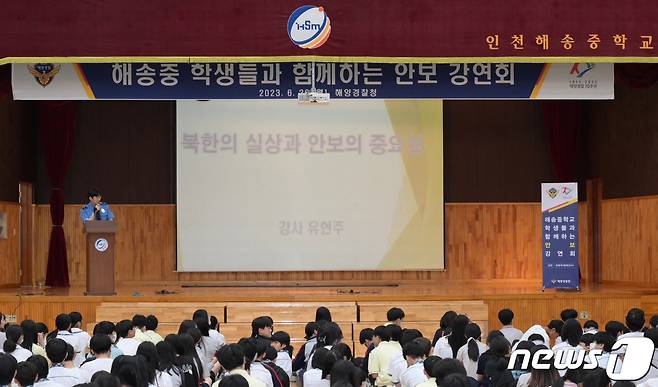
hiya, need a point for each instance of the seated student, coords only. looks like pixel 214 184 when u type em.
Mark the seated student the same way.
pixel 11 346
pixel 653 322
pixel 139 326
pixel 329 334
pixel 380 357
pixel 168 363
pixel 100 346
pixel 590 326
pixel 553 329
pixel 455 380
pixel 444 326
pixel 7 369
pixel 262 327
pixel 322 362
pixel 31 338
pixel 428 364
pixel 105 379
pixel 130 371
pixel 214 330
pixel 414 354
pixel 151 326
pixel 156 377
pixel 281 343
pixel 108 328
pixel 82 336
pixel 231 357
pixel 40 363
pixel 469 353
pixel 615 328
pixel 569 314
pixel 505 316
pixel 126 338
pixel 365 339
pixel 300 362
pixel 635 323
pixel 604 341
pixel 447 346
pixel 518 369
pixel 398 363
pixel 26 374
pixel 256 349
pixel 233 381
pixel 571 333
pixel 208 345
pixel 585 340
pixel 63 323
pixel 279 375
pixel 445 367
pixel 68 377
pixel 345 374
pixel 596 378
pixel 652 333
pixel 493 363
pixel 395 316
pixel 42 333
pixel 540 377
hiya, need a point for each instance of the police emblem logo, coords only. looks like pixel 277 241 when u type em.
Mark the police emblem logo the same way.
pixel 552 193
pixel 44 72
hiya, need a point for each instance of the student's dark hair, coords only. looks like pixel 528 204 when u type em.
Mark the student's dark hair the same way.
pixel 556 324
pixel 596 378
pixel 394 314
pixel 568 314
pixel 105 328
pixel 14 333
pixel 345 374
pixel 86 385
pixel 394 331
pixel 652 333
pixel 253 348
pixel 7 369
pixel 139 320
pixel 571 332
pixel 574 375
pixel 444 326
pixel 382 333
pixel 100 343
pixel 150 353
pixel 615 328
pixel 92 193
pixel 455 380
pixel 505 316
pixel 196 335
pixel 428 364
pixel 591 324
pixel 473 332
pixel 231 356
pixel 587 338
pixel 605 338
pixel 70 352
pixel 413 350
pixel 42 328
pixel 524 344
pixel 324 360
pixel 41 364
pixel 185 326
pixel 260 323
pixel 56 350
pixel 322 314
pixel 76 317
pixel 425 345
pixel 283 338
pixel 26 373
pixel 458 336
pixel 166 355
pixel 233 381
pixel 203 325
pixel 151 322
pixel 409 335
pixel 189 350
pixel 29 334
pixel 130 371
pixel 123 327
pixel 624 383
pixel 635 319
pixel 499 346
pixel 330 334
pixel 271 353
pixel 214 323
pixel 536 336
pixel 342 351
pixel 366 334
pixel 200 313
pixel 63 322
pixel 105 379
pixel 310 329
pixel 445 367
pixel 493 334
pixel 543 377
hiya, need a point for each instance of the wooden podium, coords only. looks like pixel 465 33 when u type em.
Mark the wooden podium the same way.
pixel 100 257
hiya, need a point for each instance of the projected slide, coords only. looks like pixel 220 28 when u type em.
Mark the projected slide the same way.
pixel 279 186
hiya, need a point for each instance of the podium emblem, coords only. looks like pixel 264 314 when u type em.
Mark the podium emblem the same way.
pixel 101 244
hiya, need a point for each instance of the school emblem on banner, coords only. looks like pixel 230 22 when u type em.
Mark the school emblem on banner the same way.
pixel 44 72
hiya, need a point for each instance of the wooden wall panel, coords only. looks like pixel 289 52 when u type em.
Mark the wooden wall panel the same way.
pixel 10 247
pixel 630 240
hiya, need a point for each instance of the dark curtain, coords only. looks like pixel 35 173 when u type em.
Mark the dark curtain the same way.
pixel 638 75
pixel 56 124
pixel 563 122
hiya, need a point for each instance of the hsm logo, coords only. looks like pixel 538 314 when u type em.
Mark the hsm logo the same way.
pixel 309 26
pixel 575 69
pixel 636 364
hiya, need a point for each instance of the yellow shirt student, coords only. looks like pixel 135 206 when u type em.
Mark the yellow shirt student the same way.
pixel 379 361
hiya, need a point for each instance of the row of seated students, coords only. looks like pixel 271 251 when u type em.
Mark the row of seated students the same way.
pixel 131 353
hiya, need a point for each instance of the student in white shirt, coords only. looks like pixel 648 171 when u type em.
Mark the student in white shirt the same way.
pixel 469 353
pixel 428 365
pixel 151 326
pixel 130 370
pixel 126 342
pixel 414 354
pixel 398 363
pixel 590 326
pixel 635 322
pixel 31 338
pixel 108 328
pixel 553 330
pixel 157 378
pixel 214 331
pixel 209 346
pixel 82 336
pixel 395 316
pixel 651 333
pixel 12 344
pixel 604 341
pixel 231 357
pixel 281 342
pixel 100 346
pixel 505 316
pixel 63 324
pixel 7 369
pixel 58 373
pixel 255 349
pixel 41 365
pixel 26 374
pixel 329 334
pixel 571 332
pixel 322 362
